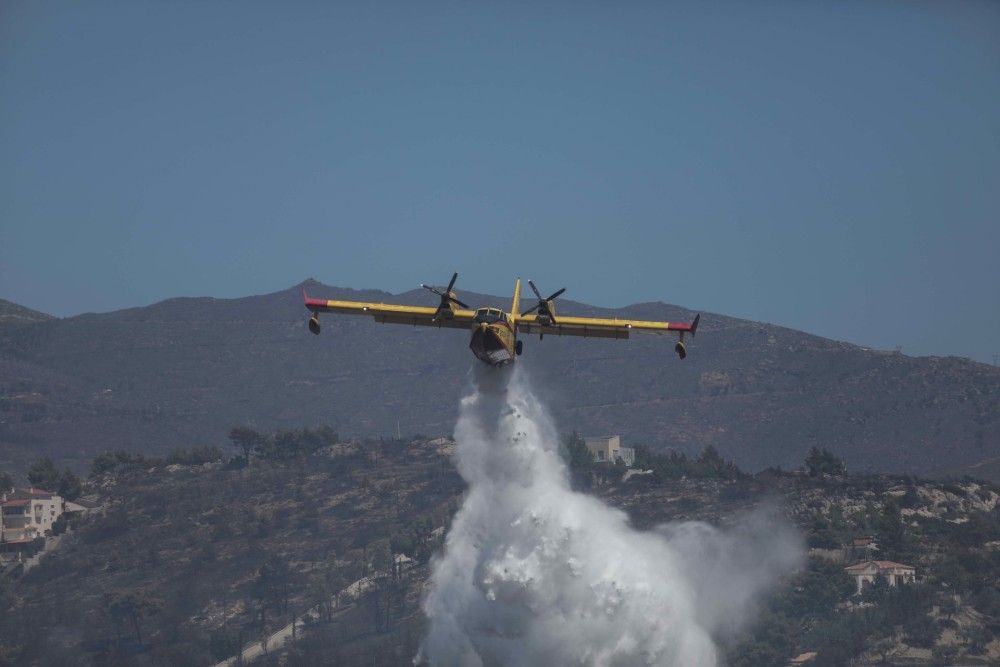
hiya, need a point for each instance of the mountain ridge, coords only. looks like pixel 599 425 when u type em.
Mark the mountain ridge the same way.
pixel 182 371
pixel 15 313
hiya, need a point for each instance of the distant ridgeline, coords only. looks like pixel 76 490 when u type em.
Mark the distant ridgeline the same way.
pixel 182 372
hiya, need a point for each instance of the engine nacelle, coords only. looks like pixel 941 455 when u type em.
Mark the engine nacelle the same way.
pixel 314 324
pixel 546 313
pixel 680 349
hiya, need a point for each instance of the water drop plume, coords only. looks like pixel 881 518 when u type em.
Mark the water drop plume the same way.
pixel 534 573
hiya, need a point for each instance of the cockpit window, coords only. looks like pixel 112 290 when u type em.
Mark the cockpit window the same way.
pixel 490 315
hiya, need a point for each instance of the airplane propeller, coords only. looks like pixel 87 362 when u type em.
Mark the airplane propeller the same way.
pixel 447 296
pixel 543 305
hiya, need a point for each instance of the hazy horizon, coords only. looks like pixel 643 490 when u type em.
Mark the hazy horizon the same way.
pixel 824 167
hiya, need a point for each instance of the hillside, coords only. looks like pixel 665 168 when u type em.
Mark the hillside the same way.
pixel 187 562
pixel 12 313
pixel 183 547
pixel 183 371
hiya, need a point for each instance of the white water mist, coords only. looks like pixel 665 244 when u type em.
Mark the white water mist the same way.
pixel 534 573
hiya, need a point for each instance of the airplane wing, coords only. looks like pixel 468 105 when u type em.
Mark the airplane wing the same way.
pixel 388 313
pixel 598 327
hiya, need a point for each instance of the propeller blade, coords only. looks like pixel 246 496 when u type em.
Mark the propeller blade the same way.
pixel 535 290
pixel 459 302
pixel 452 283
pixel 532 309
pixel 431 289
pixel 556 294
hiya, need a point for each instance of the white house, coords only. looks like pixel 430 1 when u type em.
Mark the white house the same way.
pixel 894 573
pixel 608 449
pixel 28 513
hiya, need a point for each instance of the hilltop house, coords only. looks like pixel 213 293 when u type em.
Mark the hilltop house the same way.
pixel 894 573
pixel 608 449
pixel 26 514
pixel 865 542
pixel 861 548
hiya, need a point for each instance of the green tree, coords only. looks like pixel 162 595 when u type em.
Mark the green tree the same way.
pixel 385 589
pixel 43 475
pixel 6 482
pixel 381 556
pixel 272 587
pixel 676 465
pixel 119 461
pixel 978 637
pixel 944 655
pixel 841 640
pixel 876 592
pixel 816 589
pixel 948 606
pixel 577 455
pixel 822 533
pixel 893 541
pixel 194 456
pixel 321 597
pixel 70 487
pixel 289 445
pixel 710 463
pixel 756 654
pixel 246 440
pixel 921 630
pixel 104 462
pixel 771 642
pixel 822 462
pixel 414 540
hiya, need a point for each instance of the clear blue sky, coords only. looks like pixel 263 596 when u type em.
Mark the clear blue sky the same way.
pixel 829 166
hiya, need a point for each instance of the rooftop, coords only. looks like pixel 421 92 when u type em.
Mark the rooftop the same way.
pixel 880 564
pixel 30 493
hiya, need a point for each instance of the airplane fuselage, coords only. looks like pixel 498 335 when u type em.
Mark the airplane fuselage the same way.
pixel 494 340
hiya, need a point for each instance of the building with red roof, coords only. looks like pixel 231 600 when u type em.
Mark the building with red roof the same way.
pixel 894 573
pixel 26 514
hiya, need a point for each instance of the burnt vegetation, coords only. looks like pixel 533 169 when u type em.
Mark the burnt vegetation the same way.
pixel 198 552
pixel 206 550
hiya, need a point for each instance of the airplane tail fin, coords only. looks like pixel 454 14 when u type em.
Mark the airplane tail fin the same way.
pixel 515 306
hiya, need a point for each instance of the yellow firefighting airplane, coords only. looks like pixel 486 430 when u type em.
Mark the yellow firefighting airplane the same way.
pixel 494 332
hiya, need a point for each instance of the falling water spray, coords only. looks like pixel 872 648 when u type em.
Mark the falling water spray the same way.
pixel 534 573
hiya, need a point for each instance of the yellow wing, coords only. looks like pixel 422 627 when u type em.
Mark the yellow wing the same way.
pixel 388 313
pixel 599 327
